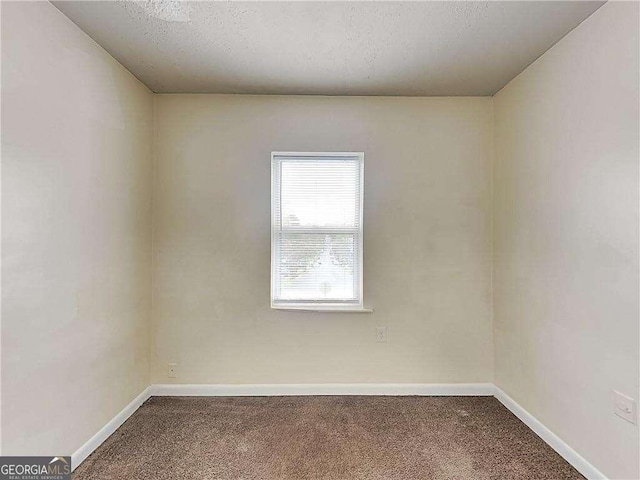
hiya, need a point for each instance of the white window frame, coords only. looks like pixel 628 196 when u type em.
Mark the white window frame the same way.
pixel 319 305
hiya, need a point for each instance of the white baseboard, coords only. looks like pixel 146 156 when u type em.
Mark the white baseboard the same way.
pixel 564 450
pixel 105 432
pixel 399 389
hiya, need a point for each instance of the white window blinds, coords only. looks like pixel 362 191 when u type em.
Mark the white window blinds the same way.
pixel 316 223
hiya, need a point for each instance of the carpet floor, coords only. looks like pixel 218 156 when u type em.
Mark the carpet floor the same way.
pixel 324 438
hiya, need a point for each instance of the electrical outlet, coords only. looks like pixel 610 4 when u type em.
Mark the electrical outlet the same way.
pixel 381 334
pixel 624 407
pixel 173 370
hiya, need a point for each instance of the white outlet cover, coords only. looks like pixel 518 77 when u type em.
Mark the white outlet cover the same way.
pixel 173 370
pixel 381 334
pixel 624 407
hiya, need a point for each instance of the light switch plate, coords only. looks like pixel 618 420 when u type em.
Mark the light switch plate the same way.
pixel 624 407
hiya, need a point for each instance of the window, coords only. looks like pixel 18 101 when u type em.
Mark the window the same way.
pixel 316 230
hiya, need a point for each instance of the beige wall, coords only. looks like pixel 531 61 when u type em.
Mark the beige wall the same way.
pixel 76 191
pixel 566 237
pixel 427 254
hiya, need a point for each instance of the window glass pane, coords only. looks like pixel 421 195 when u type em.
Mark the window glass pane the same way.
pixel 317 267
pixel 323 193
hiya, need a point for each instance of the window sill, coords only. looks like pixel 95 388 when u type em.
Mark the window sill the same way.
pixel 324 309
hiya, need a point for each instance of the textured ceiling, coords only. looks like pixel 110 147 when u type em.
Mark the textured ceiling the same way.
pixel 326 48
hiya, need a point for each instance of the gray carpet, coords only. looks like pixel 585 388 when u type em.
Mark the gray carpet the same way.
pixel 336 438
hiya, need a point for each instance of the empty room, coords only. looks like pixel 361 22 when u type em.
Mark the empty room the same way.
pixel 320 240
